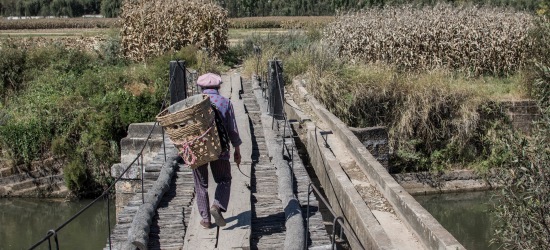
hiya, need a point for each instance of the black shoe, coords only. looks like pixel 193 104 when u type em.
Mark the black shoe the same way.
pixel 206 224
pixel 218 217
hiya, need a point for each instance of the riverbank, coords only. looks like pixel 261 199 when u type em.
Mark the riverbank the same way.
pixel 454 181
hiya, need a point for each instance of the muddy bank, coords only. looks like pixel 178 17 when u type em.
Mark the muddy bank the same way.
pixel 448 182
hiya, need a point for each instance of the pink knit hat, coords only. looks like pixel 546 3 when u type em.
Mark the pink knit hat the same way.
pixel 209 80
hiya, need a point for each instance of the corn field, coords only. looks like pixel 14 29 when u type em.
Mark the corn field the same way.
pixel 150 28
pixel 474 40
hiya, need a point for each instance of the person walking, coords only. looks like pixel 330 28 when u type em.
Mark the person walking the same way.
pixel 221 168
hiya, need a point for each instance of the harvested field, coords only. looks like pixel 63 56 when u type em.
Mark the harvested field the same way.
pixel 285 22
pixel 59 23
pixel 54 32
pixel 81 39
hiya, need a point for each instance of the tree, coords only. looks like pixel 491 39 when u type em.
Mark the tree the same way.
pixel 111 8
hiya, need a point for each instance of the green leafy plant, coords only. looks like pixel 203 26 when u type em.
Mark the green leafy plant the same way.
pixel 76 106
pixel 12 66
pixel 524 169
pixel 524 206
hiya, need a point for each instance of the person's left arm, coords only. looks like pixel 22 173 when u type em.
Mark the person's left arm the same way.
pixel 233 133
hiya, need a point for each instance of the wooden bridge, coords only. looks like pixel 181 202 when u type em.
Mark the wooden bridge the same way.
pixel 270 193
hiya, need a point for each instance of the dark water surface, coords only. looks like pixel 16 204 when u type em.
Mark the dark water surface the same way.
pixel 465 215
pixel 24 222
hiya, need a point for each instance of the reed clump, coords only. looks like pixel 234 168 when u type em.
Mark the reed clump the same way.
pixel 474 40
pixel 150 28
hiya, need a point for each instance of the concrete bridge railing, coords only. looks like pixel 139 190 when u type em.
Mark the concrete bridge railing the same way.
pixel 408 210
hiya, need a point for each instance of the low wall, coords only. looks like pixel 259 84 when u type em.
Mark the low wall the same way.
pixel 522 113
pixel 342 195
pixel 39 180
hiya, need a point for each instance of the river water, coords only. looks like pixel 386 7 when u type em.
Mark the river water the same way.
pixel 23 222
pixel 465 215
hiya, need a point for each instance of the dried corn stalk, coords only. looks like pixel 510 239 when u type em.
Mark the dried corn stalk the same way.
pixel 475 40
pixel 152 27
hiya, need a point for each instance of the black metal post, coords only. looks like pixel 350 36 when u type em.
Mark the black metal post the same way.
pixel 241 91
pixel 307 214
pixel 276 89
pixel 142 178
pixel 292 164
pixel 163 143
pixel 178 90
pixel 109 220
pixel 334 222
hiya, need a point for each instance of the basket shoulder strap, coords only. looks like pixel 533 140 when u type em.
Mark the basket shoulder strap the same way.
pixel 222 131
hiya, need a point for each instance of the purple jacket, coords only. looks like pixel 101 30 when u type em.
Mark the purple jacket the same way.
pixel 228 116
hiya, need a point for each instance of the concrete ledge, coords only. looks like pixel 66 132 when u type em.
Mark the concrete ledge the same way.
pixel 339 190
pixel 343 196
pixel 432 234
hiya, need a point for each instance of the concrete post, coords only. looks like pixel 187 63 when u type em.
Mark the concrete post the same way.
pixel 130 146
pixel 178 81
pixel 276 89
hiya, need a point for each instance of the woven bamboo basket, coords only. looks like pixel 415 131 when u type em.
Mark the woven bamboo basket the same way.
pixel 191 126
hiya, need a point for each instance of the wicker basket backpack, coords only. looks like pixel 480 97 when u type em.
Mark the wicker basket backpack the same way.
pixel 191 126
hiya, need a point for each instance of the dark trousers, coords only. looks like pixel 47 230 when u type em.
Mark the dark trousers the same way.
pixel 221 171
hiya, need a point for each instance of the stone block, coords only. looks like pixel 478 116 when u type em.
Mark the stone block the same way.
pixel 375 140
pixel 133 173
pixel 125 190
pixel 142 130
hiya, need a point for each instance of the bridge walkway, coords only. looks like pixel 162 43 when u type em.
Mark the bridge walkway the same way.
pixel 255 216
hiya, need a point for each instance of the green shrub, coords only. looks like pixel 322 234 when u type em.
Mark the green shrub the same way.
pixel 77 106
pixel 524 171
pixel 25 140
pixel 75 176
pixel 12 66
pixel 435 120
pixel 541 86
pixel 111 50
